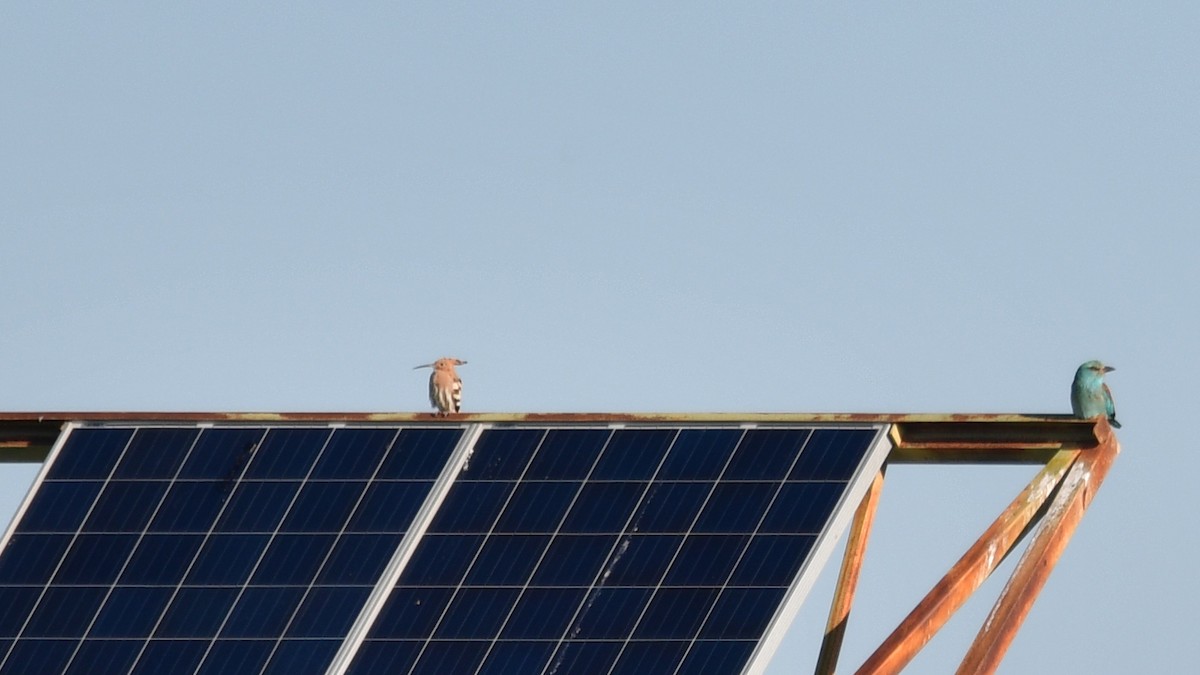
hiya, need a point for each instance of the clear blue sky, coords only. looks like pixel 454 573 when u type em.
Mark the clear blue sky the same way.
pixel 925 207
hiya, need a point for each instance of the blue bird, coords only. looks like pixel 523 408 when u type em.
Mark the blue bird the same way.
pixel 1090 396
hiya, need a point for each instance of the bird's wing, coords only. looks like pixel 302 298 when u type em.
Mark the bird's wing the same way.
pixel 1109 406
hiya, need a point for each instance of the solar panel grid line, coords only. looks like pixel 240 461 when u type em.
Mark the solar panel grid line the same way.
pixel 729 575
pixel 667 569
pixel 478 551
pixel 196 555
pixel 558 528
pixel 859 482
pixel 46 586
pixel 141 535
pixel 404 551
pixel 329 553
pixel 241 593
pixel 551 668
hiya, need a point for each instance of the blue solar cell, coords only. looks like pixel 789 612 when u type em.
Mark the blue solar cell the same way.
pixel 735 507
pixel 633 454
pixel 411 612
pixel 501 454
pixel 471 507
pixel 543 614
pixel 227 559
pixel 573 560
pixel 699 454
pixel 603 507
pixel 772 560
pixel 236 656
pixel 292 559
pixel 358 559
pixel 536 507
pixel 90 453
pixel 658 656
pixel 95 559
pixel 802 507
pixel 609 613
pixel 379 656
pixel 419 454
pixel 323 507
pixel 585 658
pixel 130 611
pixel 65 611
pixel 155 453
pixel 328 611
pixel 476 613
pixel 170 656
pixel 257 506
pixel 161 559
pixel 388 507
pixel 507 560
pixel 675 613
pixel 516 657
pixel 262 612
pixel 441 560
pixel 706 559
pixel 670 507
pixel 125 506
pixel 567 454
pixel 221 454
pixel 38 656
pixel 32 558
pixel 832 454
pixel 287 453
pixel 196 612
pixel 642 560
pixel 190 507
pixel 296 657
pixel 353 454
pixel 59 506
pixel 15 603
pixel 104 657
pixel 713 656
pixel 742 613
pixel 459 656
pixel 765 454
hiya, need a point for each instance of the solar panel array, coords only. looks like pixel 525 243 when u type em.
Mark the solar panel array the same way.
pixel 570 549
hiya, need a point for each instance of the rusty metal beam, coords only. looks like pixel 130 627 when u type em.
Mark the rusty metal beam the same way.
pixel 1049 542
pixel 843 596
pixel 971 570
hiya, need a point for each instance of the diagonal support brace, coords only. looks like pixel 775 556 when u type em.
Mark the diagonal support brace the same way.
pixel 971 570
pixel 1048 544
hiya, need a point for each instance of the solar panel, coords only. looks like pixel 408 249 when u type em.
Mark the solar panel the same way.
pixel 208 550
pixel 289 548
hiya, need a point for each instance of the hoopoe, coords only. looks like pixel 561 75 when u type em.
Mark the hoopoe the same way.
pixel 445 386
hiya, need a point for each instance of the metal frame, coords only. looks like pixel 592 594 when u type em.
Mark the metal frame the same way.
pixel 1050 506
pixel 1075 456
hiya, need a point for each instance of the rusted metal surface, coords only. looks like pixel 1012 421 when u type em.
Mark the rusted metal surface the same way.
pixel 992 423
pixel 843 597
pixel 1049 541
pixel 915 631
pixel 26 440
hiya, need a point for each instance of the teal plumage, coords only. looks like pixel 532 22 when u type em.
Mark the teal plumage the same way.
pixel 1090 396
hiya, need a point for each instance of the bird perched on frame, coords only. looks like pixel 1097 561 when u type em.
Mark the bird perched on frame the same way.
pixel 445 386
pixel 1090 396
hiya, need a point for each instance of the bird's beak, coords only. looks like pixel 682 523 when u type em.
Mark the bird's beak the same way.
pixel 1109 369
pixel 427 365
